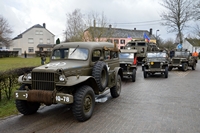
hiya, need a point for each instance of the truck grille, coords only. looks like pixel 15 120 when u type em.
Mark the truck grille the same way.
pixel 176 61
pixel 155 65
pixel 124 67
pixel 43 81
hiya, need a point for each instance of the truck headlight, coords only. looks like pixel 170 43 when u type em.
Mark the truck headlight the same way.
pixel 29 76
pixel 161 63
pixel 61 78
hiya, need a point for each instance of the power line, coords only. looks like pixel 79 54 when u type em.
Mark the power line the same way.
pixel 153 21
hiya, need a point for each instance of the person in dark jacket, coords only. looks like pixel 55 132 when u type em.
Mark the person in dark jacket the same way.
pixel 43 57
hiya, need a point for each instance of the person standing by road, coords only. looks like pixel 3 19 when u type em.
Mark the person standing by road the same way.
pixel 195 54
pixel 43 57
pixel 25 54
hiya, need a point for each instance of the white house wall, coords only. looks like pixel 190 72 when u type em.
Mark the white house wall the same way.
pixel 24 44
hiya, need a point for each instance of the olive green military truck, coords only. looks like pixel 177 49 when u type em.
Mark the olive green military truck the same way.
pixel 155 62
pixel 142 47
pixel 128 63
pixel 182 59
pixel 76 74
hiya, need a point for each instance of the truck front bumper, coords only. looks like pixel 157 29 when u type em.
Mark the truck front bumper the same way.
pixel 42 96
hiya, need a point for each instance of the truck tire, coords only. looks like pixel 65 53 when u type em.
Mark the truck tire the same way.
pixel 134 75
pixel 184 66
pixel 100 73
pixel 170 68
pixel 25 107
pixel 194 66
pixel 116 90
pixel 166 72
pixel 84 102
pixel 145 74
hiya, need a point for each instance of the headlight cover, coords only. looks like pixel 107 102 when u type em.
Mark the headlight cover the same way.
pixel 62 78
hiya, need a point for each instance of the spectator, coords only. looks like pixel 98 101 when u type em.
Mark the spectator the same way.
pixel 43 57
pixel 25 54
pixel 195 54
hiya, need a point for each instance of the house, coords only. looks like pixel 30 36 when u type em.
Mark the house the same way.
pixel 36 38
pixel 191 44
pixel 116 35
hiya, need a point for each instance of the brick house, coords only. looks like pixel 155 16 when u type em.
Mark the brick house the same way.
pixel 116 35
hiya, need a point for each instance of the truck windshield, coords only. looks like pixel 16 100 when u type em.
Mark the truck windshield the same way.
pixel 70 53
pixel 182 54
pixel 126 55
pixel 153 55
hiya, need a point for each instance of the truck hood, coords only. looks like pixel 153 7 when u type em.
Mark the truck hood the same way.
pixel 156 59
pixel 65 65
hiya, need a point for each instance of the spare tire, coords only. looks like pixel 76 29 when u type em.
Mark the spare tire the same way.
pixel 100 73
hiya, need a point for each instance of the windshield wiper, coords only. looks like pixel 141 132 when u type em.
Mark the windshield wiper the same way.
pixel 74 50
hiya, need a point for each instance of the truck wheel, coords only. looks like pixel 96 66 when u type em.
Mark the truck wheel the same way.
pixel 194 66
pixel 145 74
pixel 116 90
pixel 100 73
pixel 26 107
pixel 134 75
pixel 184 66
pixel 84 102
pixel 170 68
pixel 166 72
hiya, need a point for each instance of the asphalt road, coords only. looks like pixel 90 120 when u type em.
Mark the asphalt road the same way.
pixel 152 105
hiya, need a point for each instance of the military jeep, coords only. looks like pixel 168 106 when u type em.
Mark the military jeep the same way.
pixel 155 62
pixel 76 74
pixel 182 59
pixel 128 63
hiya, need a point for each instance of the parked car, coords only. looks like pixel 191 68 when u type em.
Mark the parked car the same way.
pixel 77 72
pixel 128 63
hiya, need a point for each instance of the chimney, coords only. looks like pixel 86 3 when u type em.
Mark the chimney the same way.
pixel 150 31
pixel 94 22
pixel 44 25
pixel 110 26
pixel 134 28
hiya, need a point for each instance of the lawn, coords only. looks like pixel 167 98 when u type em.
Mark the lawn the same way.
pixel 8 108
pixel 18 62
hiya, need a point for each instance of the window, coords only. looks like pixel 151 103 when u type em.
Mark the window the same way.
pixel 41 40
pixel 110 40
pixel 30 40
pixel 114 54
pixel 30 49
pixel 106 55
pixel 122 41
pixel 37 32
pixel 48 41
pixel 116 41
pixel 96 55
pixel 48 49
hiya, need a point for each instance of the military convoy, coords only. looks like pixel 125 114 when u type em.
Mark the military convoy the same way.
pixel 182 59
pixel 77 72
pixel 80 71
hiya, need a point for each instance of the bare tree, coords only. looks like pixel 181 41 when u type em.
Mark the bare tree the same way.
pixel 197 30
pixel 5 32
pixel 196 10
pixel 75 26
pixel 98 27
pixel 177 15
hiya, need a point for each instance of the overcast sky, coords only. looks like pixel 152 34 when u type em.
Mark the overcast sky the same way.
pixel 127 14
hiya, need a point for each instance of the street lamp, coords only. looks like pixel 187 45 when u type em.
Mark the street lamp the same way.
pixel 156 33
pixel 156 36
